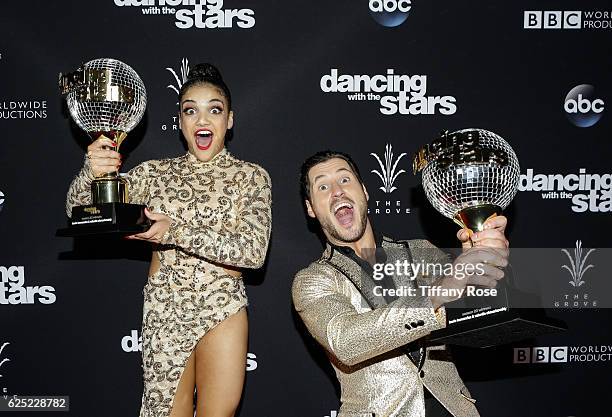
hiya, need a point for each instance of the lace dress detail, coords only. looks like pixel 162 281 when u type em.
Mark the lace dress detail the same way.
pixel 221 215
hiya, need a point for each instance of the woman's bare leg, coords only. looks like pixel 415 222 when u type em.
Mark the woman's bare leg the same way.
pixel 220 367
pixel 182 406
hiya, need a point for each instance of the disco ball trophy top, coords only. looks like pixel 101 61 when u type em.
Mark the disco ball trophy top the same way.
pixel 105 97
pixel 470 176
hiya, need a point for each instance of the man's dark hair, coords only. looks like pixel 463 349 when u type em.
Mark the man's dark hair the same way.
pixel 318 158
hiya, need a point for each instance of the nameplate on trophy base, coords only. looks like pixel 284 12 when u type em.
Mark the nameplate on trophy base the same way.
pixel 493 321
pixel 106 218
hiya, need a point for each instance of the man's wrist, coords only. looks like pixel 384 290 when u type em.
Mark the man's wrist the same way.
pixel 436 302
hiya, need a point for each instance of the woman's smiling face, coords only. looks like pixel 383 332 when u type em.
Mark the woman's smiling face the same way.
pixel 204 119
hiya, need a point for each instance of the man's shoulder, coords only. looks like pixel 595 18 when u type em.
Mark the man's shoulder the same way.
pixel 318 268
pixel 420 249
pixel 411 243
pixel 316 275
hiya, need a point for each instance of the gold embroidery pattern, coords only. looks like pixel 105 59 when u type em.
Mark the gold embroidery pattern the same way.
pixel 221 215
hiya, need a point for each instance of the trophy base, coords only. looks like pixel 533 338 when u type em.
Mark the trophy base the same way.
pixel 499 329
pixel 106 219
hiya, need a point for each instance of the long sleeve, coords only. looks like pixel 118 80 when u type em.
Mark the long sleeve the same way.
pixel 352 336
pixel 79 192
pixel 244 246
pixel 138 184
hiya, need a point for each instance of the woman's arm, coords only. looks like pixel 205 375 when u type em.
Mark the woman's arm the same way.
pixel 244 247
pixel 79 192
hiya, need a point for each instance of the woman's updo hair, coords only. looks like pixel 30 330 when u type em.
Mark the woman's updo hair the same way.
pixel 206 74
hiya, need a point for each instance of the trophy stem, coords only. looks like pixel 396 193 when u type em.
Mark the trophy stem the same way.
pixel 109 190
pixel 473 218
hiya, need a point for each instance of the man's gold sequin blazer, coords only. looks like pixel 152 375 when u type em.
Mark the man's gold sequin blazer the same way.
pixel 366 346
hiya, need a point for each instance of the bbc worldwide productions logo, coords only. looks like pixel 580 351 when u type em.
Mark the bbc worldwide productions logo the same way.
pixel 390 13
pixel 583 106
pixel 561 354
pixel 539 19
pixel 567 19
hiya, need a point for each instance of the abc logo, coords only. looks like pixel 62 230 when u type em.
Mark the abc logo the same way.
pixel 581 106
pixel 390 13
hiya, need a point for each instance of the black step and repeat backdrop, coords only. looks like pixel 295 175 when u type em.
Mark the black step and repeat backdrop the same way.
pixel 376 79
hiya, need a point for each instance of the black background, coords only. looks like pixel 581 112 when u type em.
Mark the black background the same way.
pixel 505 78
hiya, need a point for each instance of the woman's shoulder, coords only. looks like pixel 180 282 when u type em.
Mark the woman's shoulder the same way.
pixel 249 167
pixel 152 167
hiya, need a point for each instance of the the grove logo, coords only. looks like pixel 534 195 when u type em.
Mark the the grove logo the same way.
pixel 180 77
pixel 577 263
pixel 180 80
pixel 388 173
pixel 577 266
pixel 390 13
pixel 3 360
pixel 582 107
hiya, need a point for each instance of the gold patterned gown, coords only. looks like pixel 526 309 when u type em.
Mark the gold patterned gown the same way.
pixel 221 215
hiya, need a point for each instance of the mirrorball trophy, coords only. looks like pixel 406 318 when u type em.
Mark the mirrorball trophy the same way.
pixel 469 176
pixel 105 97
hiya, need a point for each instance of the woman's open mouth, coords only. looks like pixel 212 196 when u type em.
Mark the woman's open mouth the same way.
pixel 203 138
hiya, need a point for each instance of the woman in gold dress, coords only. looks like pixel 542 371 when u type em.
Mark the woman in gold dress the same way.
pixel 211 215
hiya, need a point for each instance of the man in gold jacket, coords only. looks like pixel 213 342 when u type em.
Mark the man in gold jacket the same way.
pixel 375 343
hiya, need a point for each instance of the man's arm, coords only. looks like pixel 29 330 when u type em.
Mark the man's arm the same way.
pixel 351 336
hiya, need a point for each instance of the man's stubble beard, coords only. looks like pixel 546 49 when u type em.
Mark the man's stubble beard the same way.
pixel 333 231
